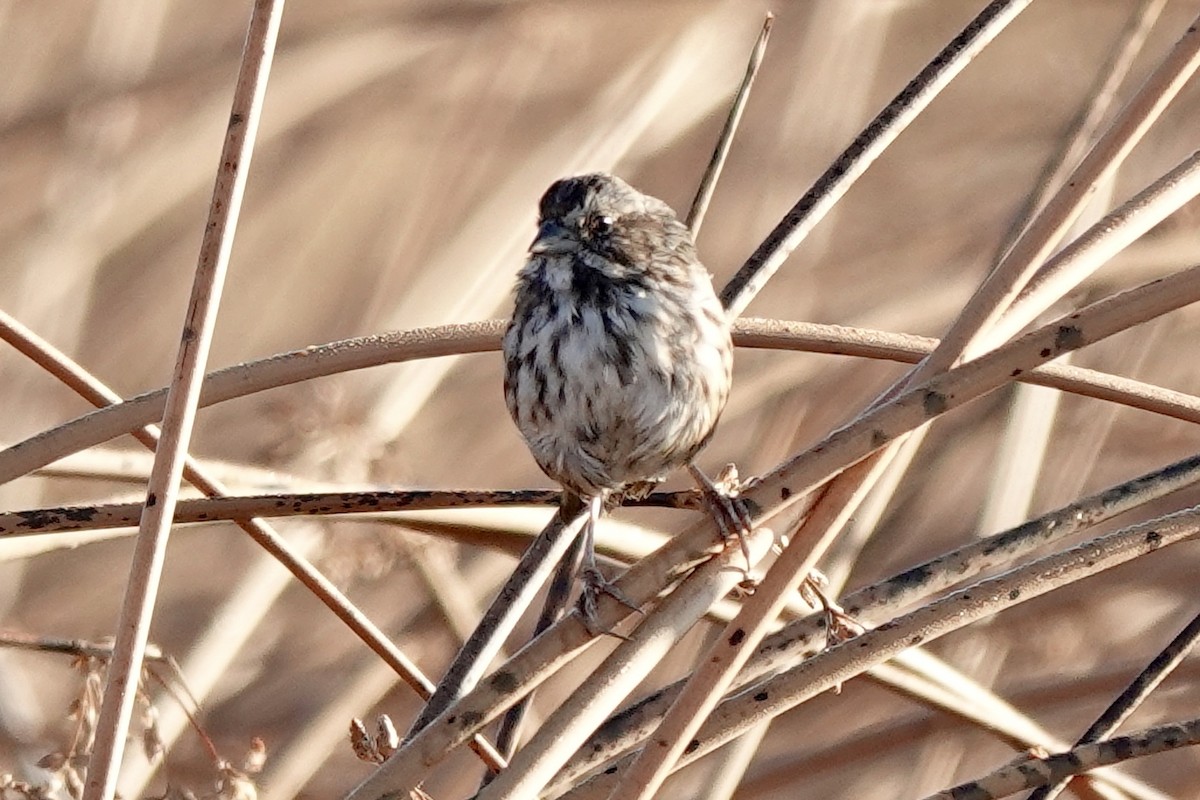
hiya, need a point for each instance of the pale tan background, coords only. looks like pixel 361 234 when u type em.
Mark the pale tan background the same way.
pixel 403 149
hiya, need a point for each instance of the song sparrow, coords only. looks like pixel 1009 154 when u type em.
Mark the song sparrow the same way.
pixel 618 355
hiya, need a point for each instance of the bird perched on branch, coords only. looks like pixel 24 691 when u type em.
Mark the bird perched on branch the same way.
pixel 618 357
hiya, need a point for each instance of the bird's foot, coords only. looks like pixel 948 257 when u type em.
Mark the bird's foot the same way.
pixel 839 625
pixel 730 514
pixel 595 584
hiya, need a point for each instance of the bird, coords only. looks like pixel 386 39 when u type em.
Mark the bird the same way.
pixel 618 357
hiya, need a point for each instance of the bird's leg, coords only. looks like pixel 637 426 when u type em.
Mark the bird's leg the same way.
pixel 730 515
pixel 593 580
pixel 839 626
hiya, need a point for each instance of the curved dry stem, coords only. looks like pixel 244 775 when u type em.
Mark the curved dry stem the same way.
pixel 243 379
pixel 362 352
pixel 97 393
pixel 791 481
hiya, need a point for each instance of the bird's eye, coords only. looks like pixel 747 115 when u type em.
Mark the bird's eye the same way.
pixel 600 225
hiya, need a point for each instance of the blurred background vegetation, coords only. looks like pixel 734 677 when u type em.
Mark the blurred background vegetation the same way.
pixel 403 148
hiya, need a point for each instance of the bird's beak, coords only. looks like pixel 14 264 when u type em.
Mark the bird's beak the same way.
pixel 552 237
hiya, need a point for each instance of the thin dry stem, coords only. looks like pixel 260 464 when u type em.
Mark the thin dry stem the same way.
pixel 1029 773
pixel 622 671
pixel 1044 233
pixel 862 152
pixel 718 667
pixel 1134 695
pixel 238 381
pixel 876 603
pixel 476 654
pixel 1082 134
pixel 788 483
pixel 149 550
pixel 712 173
pixel 1099 244
pixel 844 661
pixel 87 385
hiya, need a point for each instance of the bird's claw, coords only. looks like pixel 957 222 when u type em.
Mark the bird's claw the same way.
pixel 731 516
pixel 595 584
pixel 839 625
